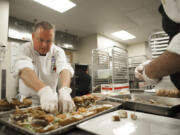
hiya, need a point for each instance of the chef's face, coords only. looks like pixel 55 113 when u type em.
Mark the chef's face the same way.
pixel 42 40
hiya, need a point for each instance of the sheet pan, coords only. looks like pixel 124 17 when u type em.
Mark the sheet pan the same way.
pixel 146 124
pixel 166 106
pixel 5 120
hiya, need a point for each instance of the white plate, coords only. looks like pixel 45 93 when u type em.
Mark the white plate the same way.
pixel 146 124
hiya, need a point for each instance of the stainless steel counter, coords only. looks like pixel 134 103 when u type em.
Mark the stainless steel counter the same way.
pixel 75 131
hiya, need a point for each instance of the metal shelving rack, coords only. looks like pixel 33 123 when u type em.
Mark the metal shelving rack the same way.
pixel 100 64
pixel 109 66
pixel 119 66
pixel 158 43
pixel 134 83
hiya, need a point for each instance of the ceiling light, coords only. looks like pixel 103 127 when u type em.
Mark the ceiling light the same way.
pixel 58 5
pixel 68 46
pixel 123 35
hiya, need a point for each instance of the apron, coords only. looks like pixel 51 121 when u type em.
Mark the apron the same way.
pixel 44 67
pixel 171 28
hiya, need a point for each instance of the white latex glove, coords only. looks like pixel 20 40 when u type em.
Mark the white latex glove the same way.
pixel 141 75
pixel 139 70
pixel 48 99
pixel 66 104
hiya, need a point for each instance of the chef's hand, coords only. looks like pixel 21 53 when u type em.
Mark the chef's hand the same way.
pixel 48 99
pixel 66 104
pixel 141 75
pixel 139 70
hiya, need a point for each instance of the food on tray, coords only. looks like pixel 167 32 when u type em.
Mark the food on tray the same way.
pixel 26 103
pixel 84 101
pixel 89 99
pixel 5 105
pixel 116 118
pixel 78 101
pixel 37 120
pixel 146 101
pixel 122 114
pixel 168 93
pixel 133 116
pixel 152 101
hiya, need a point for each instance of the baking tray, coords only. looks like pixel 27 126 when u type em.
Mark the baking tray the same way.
pixel 4 112
pixel 9 111
pixel 167 105
pixel 146 124
pixel 5 120
pixel 12 109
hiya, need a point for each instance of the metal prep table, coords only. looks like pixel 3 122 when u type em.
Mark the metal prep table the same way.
pixel 75 131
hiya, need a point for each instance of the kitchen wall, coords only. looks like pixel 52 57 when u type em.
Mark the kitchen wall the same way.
pixel 85 49
pixel 4 15
pixel 136 50
pixel 104 42
pixel 95 41
pixel 75 56
pixel 148 50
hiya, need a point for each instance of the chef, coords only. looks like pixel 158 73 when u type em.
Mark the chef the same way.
pixel 169 62
pixel 39 65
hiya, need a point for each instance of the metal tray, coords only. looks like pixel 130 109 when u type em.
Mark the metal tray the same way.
pixel 4 112
pixel 12 110
pixel 166 107
pixel 146 124
pixel 5 120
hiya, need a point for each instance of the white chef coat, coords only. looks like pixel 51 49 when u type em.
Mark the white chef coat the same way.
pixel 172 9
pixel 44 66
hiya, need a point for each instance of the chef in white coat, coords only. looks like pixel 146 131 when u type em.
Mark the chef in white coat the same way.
pixel 39 65
pixel 169 62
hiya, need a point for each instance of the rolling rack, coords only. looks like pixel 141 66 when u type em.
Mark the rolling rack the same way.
pixel 158 43
pixel 109 70
pixel 134 83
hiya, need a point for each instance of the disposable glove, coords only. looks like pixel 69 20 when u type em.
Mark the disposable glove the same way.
pixel 48 99
pixel 141 75
pixel 66 104
pixel 139 70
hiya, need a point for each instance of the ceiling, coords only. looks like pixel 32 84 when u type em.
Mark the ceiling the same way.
pixel 138 17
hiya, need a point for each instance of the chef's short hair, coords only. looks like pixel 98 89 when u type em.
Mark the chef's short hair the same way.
pixel 45 25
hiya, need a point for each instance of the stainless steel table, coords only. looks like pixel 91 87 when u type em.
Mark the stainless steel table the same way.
pixel 9 131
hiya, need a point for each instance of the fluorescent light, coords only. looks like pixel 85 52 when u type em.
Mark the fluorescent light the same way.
pixel 123 35
pixel 58 5
pixel 68 46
